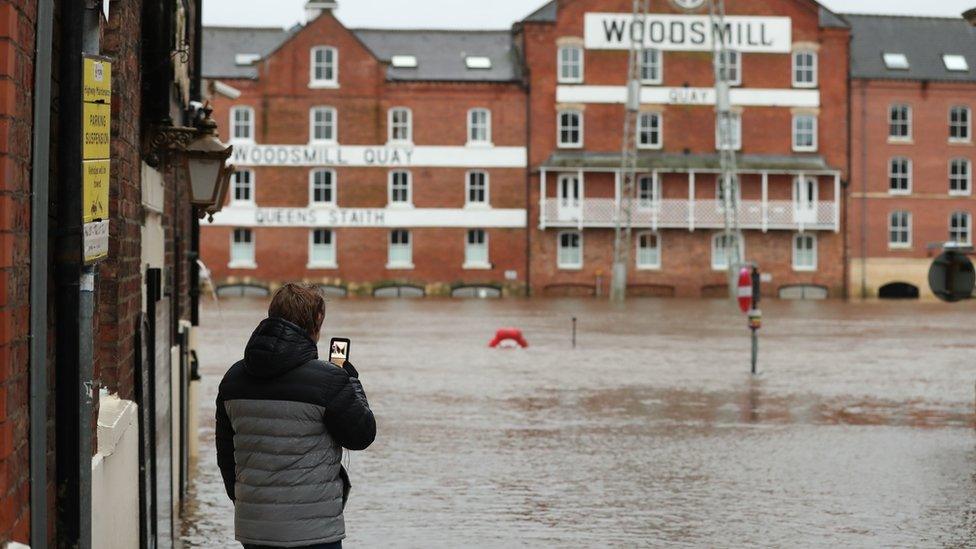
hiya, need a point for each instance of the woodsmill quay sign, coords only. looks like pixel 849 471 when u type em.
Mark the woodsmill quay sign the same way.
pixel 96 141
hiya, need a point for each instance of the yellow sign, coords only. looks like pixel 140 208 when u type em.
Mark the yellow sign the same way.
pixel 95 197
pixel 96 131
pixel 97 83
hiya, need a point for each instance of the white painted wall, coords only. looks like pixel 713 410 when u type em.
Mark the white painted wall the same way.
pixel 115 475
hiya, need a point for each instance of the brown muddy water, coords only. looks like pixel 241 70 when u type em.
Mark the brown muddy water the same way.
pixel 858 432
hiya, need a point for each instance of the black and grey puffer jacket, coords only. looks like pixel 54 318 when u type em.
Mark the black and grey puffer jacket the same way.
pixel 283 417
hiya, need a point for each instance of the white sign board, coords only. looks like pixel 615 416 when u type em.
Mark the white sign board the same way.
pixel 370 217
pixel 615 31
pixel 384 156
pixel 746 97
pixel 95 241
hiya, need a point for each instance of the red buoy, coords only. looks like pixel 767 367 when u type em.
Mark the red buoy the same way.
pixel 745 290
pixel 509 334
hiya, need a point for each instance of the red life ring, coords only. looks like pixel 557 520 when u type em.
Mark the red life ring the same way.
pixel 509 334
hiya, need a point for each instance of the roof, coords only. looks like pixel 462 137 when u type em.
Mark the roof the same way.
pixel 829 19
pixel 222 44
pixel 441 53
pixel 545 14
pixel 923 40
pixel 679 161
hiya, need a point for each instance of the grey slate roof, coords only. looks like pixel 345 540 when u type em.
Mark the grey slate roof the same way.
pixel 222 44
pixel 922 39
pixel 545 14
pixel 829 19
pixel 678 161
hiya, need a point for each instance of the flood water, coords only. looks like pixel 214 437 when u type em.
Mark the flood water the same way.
pixel 859 430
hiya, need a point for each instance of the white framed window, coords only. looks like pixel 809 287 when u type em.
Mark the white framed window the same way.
pixel 570 250
pixel 648 250
pixel 648 191
pixel 805 199
pixel 804 133
pixel 243 182
pixel 955 62
pixel 400 125
pixel 322 187
pixel 805 252
pixel 900 229
pixel 960 120
pixel 900 175
pixel 900 122
pixel 649 130
pixel 736 189
pixel 476 249
pixel 322 125
pixel 650 67
pixel 479 126
pixel 401 193
pixel 804 69
pixel 400 255
pixel 242 124
pixel 476 189
pixel 570 129
pixel 734 125
pixel 722 244
pixel 960 228
pixel 321 249
pixel 242 249
pixel 324 67
pixel 896 61
pixel 960 176
pixel 730 65
pixel 569 64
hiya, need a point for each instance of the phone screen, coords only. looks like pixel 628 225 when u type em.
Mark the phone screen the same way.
pixel 339 351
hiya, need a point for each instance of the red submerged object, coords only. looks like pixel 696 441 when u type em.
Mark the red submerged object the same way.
pixel 509 334
pixel 745 290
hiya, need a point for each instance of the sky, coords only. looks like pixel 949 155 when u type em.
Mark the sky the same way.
pixel 496 14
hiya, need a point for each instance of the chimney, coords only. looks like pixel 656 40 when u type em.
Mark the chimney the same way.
pixel 314 8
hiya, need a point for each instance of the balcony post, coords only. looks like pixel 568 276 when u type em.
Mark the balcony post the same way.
pixel 799 192
pixel 837 202
pixel 582 199
pixel 616 194
pixel 691 201
pixel 542 199
pixel 765 202
pixel 656 199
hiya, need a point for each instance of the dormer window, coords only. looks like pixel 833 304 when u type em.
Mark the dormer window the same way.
pixel 896 61
pixel 955 63
pixel 324 71
pixel 477 62
pixel 246 59
pixel 404 61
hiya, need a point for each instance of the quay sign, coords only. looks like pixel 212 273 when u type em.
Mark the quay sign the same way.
pixel 616 31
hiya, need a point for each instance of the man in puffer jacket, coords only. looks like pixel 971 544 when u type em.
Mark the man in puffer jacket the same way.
pixel 283 417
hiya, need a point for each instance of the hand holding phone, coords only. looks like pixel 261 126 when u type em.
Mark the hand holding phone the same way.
pixel 339 351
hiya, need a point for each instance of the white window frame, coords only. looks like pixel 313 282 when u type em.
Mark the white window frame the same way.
pixel 967 127
pixel 736 67
pixel 407 126
pixel 656 65
pixel 716 265
pixel 656 265
pixel 642 128
pixel 559 129
pixel 736 122
pixel 907 230
pixel 655 200
pixel 737 191
pixel 907 122
pixel 320 264
pixel 814 131
pixel 575 266
pixel 311 187
pixel 909 175
pixel 312 124
pixel 250 124
pixel 472 127
pixel 796 252
pixel 399 264
pixel 467 190
pixel 968 179
pixel 469 263
pixel 250 187
pixel 562 64
pixel 968 217
pixel 314 82
pixel 389 194
pixel 243 263
pixel 811 70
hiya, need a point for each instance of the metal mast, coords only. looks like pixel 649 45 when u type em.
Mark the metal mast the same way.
pixel 628 163
pixel 726 142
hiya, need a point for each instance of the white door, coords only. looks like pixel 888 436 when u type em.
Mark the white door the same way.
pixel 568 196
pixel 805 200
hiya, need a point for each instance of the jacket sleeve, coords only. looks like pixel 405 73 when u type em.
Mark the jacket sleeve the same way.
pixel 225 448
pixel 347 415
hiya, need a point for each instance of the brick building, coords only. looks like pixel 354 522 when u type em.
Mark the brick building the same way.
pixel 912 95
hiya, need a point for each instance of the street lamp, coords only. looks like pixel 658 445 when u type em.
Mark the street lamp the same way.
pixel 206 163
pixel 970 15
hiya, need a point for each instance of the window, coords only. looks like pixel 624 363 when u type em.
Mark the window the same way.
pixel 404 61
pixel 959 118
pixel 900 122
pixel 896 61
pixel 722 246
pixel 570 129
pixel 805 69
pixel 900 229
pixel 400 192
pixel 322 188
pixel 650 68
pixel 959 225
pixel 479 126
pixel 960 176
pixel 648 251
pixel 736 190
pixel 805 196
pixel 321 249
pixel 476 249
pixel 570 254
pixel 648 191
pixel 243 181
pixel 401 251
pixel 476 189
pixel 730 66
pixel 242 249
pixel 400 125
pixel 570 64
pixel 955 63
pixel 804 252
pixel 324 67
pixel 732 127
pixel 900 176
pixel 322 125
pixel 649 130
pixel 246 59
pixel 477 62
pixel 242 124
pixel 804 133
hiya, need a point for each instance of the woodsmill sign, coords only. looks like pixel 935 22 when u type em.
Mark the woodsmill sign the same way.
pixel 616 31
pixel 96 148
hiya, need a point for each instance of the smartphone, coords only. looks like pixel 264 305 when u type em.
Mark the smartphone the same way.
pixel 339 351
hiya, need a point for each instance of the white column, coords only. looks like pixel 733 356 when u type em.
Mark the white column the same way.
pixel 542 199
pixel 836 202
pixel 765 201
pixel 654 211
pixel 798 198
pixel 616 193
pixel 582 200
pixel 691 201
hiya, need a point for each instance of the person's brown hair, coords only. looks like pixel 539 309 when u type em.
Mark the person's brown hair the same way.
pixel 300 304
